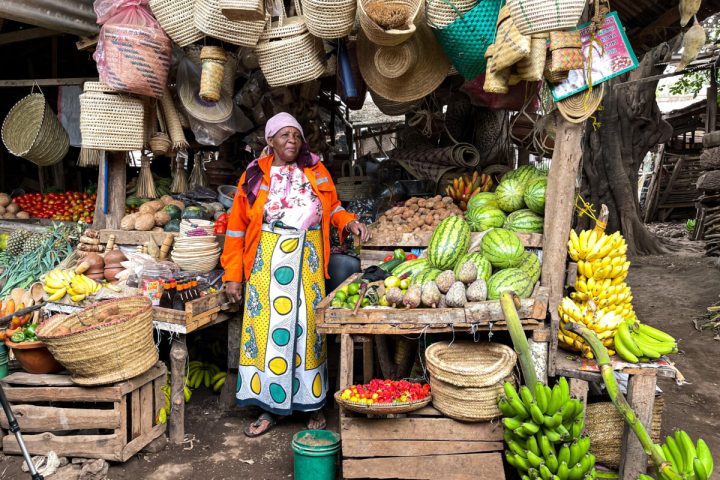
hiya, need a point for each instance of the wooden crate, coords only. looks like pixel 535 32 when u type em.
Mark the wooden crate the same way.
pixel 112 422
pixel 197 314
pixel 421 445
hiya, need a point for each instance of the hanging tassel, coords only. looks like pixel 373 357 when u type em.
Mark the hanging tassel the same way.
pixel 146 183
pixel 197 176
pixel 90 157
pixel 180 181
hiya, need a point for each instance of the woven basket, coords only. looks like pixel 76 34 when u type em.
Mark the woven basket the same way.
pixel 532 67
pixel 353 185
pixel 539 16
pixel 176 18
pixel 440 13
pixel 467 404
pixel 383 409
pixel 243 10
pixel 330 19
pixel 604 426
pixel 389 107
pixel 32 131
pixel 107 352
pixel 467 364
pixel 213 72
pixel 160 144
pixel 210 20
pixel 288 54
pixel 388 38
pixel 109 120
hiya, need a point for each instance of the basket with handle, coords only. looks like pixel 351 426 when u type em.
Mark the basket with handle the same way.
pixel 539 16
pixel 243 10
pixel 440 14
pixel 110 120
pixel 287 53
pixel 117 349
pixel 330 19
pixel 176 18
pixel 209 19
pixel 353 184
pixel 32 131
pixel 389 38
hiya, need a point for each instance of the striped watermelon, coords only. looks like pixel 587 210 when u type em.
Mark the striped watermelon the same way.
pixel 449 241
pixel 484 218
pixel 509 195
pixel 524 221
pixel 502 248
pixel 482 199
pixel 530 264
pixel 411 267
pixel 534 195
pixel 427 275
pixel 511 278
pixel 483 264
pixel 525 174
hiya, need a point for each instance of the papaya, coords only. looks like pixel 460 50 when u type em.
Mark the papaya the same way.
pixel 9 307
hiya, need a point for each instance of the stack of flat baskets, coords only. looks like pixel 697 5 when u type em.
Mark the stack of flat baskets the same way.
pixel 466 378
pixel 110 120
pixel 100 353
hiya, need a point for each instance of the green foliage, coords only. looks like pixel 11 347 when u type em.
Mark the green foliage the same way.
pixel 690 225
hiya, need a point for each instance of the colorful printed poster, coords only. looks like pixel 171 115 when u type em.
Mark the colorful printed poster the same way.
pixel 612 55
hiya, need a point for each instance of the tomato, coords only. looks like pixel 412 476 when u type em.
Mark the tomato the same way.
pixel 388 258
pixel 411 256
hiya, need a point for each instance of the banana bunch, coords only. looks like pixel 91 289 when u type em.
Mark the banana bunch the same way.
pixel 205 373
pixel 464 187
pixel 603 323
pixel 534 424
pixel 164 412
pixel 641 343
pixel 688 460
pixel 58 283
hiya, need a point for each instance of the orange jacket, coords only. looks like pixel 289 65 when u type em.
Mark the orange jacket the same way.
pixel 245 222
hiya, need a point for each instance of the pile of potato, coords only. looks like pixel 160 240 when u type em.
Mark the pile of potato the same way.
pixel 151 215
pixel 416 215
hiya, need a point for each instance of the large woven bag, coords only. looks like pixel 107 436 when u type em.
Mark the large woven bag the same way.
pixel 538 16
pixel 288 54
pixel 110 120
pixel 176 18
pixel 210 20
pixel 100 353
pixel 330 19
pixel 466 39
pixel 32 131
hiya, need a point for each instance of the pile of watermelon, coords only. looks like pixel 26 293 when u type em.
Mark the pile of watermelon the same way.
pixel 518 203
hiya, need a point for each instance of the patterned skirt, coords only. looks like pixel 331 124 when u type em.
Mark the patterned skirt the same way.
pixel 283 364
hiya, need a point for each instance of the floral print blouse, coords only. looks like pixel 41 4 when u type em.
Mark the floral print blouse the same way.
pixel 291 199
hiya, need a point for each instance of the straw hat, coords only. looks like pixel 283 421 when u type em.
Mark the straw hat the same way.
pixel 579 107
pixel 406 72
pixel 189 92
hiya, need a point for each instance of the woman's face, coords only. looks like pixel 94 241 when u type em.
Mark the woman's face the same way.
pixel 286 144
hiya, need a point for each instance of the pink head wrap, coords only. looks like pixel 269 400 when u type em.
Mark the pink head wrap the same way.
pixel 280 121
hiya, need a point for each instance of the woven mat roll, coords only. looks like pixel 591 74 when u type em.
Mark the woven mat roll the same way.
pixel 463 155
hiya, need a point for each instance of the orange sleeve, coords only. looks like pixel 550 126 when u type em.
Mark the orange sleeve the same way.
pixel 339 217
pixel 232 257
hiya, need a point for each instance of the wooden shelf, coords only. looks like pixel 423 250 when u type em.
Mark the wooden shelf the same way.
pixel 569 365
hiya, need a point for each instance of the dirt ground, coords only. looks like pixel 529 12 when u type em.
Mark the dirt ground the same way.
pixel 669 291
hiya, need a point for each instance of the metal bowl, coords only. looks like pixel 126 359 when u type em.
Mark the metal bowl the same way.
pixel 226 195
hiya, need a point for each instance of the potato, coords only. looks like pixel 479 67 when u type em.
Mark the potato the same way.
pixel 12 208
pixel 5 200
pixel 145 222
pixel 166 199
pixel 23 215
pixel 128 222
pixel 9 216
pixel 161 218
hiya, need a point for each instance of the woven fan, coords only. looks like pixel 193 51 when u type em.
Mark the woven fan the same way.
pixel 146 183
pixel 180 181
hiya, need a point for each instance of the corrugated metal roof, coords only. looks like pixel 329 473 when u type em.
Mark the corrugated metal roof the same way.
pixel 68 16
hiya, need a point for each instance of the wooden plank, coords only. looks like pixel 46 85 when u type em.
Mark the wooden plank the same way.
pixel 87 43
pixel 45 380
pixel 422 239
pixel 414 448
pixel 157 371
pixel 413 329
pixel 178 361
pixel 141 442
pixel 368 361
pixel 123 237
pixel 541 335
pixel 346 361
pixel 147 415
pixel 641 397
pixel 65 394
pixel 474 466
pixel 35 418
pixel 46 82
pixel 668 188
pixel 107 447
pixel 227 396
pixel 122 433
pixel 419 429
pixel 135 414
pixel 26 34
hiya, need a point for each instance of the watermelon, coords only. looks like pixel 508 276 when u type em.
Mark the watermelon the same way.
pixel 411 267
pixel 525 174
pixel 509 195
pixel 484 218
pixel 502 247
pixel 449 241
pixel 172 226
pixel 530 264
pixel 524 221
pixel 534 195
pixel 427 275
pixel 173 210
pixel 483 264
pixel 482 199
pixel 510 279
pixel 195 212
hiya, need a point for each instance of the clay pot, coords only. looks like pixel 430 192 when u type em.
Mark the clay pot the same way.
pixel 112 272
pixel 97 276
pixel 113 258
pixel 34 357
pixel 94 261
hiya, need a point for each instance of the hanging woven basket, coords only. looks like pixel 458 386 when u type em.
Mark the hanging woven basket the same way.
pixel 243 10
pixel 110 120
pixel 176 18
pixel 389 38
pixel 210 20
pixel 330 19
pixel 539 16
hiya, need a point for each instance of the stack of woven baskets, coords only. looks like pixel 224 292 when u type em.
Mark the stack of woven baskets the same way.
pixel 466 378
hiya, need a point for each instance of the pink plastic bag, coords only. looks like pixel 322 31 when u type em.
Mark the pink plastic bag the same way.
pixel 133 52
pixel 515 99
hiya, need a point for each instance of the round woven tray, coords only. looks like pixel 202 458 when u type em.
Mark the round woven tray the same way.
pixel 383 409
pixel 468 364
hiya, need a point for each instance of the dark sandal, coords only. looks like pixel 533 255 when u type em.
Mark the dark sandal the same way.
pixel 315 416
pixel 265 417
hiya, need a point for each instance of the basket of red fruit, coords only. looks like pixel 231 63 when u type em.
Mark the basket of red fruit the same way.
pixel 385 397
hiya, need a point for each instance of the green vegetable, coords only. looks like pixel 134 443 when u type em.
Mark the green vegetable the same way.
pixel 17 337
pixel 399 254
pixel 391 264
pixel 172 226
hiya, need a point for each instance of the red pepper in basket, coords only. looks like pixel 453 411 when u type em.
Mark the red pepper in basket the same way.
pixel 221 224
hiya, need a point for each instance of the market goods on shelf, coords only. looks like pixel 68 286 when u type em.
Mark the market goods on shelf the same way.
pixel 534 195
pixel 502 248
pixel 77 286
pixel 207 374
pixel 416 215
pixel 524 220
pixel 482 199
pixel 386 392
pixel 66 206
pixel 463 188
pixel 449 242
pixel 638 342
pixel 485 217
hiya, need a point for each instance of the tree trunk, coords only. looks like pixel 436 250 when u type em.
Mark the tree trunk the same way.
pixel 625 128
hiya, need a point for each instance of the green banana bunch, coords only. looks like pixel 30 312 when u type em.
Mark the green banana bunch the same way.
pixel 539 459
pixel 218 381
pixel 689 460
pixel 642 343
pixel 202 373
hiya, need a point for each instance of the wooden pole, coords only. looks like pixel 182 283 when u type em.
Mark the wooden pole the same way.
pixel 112 169
pixel 711 111
pixel 560 200
pixel 178 364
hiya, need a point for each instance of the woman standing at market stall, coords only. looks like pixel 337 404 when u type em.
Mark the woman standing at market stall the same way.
pixel 277 241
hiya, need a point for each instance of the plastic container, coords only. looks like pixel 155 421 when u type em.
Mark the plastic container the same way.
pixel 3 361
pixel 151 283
pixel 315 454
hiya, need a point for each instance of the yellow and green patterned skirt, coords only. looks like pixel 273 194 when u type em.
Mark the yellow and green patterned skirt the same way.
pixel 283 364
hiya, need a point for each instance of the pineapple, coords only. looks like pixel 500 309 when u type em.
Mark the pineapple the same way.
pixel 33 241
pixel 16 242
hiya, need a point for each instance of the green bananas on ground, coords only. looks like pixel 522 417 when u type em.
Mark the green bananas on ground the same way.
pixel 689 461
pixel 638 342
pixel 164 412
pixel 543 433
pixel 207 374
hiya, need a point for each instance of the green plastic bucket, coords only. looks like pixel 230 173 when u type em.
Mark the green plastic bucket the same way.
pixel 316 453
pixel 3 360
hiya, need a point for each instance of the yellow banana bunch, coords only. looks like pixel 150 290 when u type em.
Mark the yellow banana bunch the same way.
pixel 57 283
pixel 603 322
pixel 592 245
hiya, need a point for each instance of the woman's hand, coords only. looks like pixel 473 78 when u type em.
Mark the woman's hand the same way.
pixel 359 229
pixel 234 291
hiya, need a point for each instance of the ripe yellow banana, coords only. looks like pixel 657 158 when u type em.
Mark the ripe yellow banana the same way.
pixel 57 295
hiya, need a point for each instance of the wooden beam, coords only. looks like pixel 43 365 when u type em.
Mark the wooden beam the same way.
pixel 712 93
pixel 641 396
pixel 46 82
pixel 26 34
pixel 87 43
